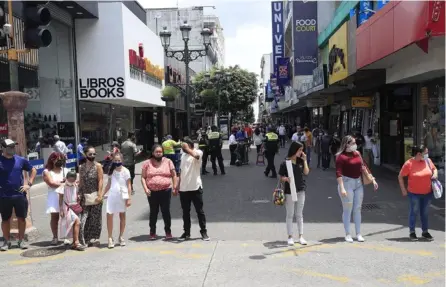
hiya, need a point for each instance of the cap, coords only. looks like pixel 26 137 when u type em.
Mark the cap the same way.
pixel 169 137
pixel 8 142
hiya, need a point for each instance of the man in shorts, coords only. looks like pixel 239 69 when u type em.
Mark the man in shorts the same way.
pixel 13 191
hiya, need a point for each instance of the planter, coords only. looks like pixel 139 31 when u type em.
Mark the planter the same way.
pixel 168 99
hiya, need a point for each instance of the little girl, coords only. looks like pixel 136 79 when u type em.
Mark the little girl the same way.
pixel 69 210
pixel 119 198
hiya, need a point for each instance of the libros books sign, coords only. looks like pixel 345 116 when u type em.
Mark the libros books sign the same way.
pixel 143 70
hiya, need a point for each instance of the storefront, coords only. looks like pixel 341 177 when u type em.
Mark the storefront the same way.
pixel 120 64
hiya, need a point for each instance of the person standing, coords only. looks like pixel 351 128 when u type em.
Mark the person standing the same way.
pixel 129 151
pixel 271 148
pixel 169 146
pixel 258 140
pixel 59 146
pixel 368 147
pixel 80 153
pixel 282 135
pixel 215 145
pixel 308 143
pixel 349 168
pixel 13 192
pixel 295 208
pixel 204 147
pixel 232 146
pixel 420 171
pixel 190 189
pixel 325 142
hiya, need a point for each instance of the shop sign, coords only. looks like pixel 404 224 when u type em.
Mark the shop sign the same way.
pixel 314 83
pixel 143 70
pixel 38 164
pixel 305 37
pixel 362 102
pixel 337 57
pixel 102 88
pixel 278 33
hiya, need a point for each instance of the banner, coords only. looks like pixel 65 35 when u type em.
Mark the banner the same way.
pixel 365 11
pixel 283 72
pixel 278 37
pixel 305 37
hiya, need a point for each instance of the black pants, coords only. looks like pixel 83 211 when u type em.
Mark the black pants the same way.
pixel 131 169
pixel 160 199
pixel 205 159
pixel 326 157
pixel 216 154
pixel 195 197
pixel 270 163
pixel 282 140
pixel 232 149
pixel 259 148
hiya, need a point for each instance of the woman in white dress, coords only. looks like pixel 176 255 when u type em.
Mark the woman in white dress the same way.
pixel 54 177
pixel 118 200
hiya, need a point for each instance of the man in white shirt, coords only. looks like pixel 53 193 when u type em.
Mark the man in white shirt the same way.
pixel 282 134
pixel 60 146
pixel 191 188
pixel 297 135
pixel 232 147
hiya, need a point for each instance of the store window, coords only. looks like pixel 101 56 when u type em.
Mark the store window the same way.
pixel 432 99
pixel 356 122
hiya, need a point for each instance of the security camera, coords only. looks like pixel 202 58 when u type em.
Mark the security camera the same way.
pixel 7 29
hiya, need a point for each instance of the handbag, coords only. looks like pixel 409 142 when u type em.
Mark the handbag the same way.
pixel 437 188
pixel 76 208
pixel 279 194
pixel 366 176
pixel 90 199
pixel 122 190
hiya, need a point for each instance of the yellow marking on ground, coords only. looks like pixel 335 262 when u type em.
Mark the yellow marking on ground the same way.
pixel 385 281
pixel 245 244
pixel 196 245
pixel 443 245
pixel 302 250
pixel 167 252
pixel 413 279
pixel 341 279
pixel 393 249
pixel 192 256
pixel 12 251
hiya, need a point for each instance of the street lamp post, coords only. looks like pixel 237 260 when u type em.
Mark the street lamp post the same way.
pixel 186 55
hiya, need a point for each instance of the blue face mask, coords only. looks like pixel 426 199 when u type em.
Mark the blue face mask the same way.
pixel 117 164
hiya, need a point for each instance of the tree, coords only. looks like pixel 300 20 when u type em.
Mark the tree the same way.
pixel 237 89
pixel 246 116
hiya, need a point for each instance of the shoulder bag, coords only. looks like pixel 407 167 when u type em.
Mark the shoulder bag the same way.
pixel 437 188
pixel 366 176
pixel 90 198
pixel 76 207
pixel 279 194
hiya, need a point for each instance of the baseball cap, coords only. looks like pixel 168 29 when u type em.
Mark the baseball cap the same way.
pixel 8 142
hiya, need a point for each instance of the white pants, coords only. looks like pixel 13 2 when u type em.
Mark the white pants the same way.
pixel 295 208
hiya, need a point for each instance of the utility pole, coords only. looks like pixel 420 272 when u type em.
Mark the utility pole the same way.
pixel 12 54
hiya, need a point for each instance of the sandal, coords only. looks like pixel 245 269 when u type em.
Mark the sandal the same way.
pixel 78 247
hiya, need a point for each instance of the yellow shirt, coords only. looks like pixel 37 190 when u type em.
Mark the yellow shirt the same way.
pixel 169 145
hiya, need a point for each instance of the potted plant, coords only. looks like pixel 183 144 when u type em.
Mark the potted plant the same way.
pixel 169 94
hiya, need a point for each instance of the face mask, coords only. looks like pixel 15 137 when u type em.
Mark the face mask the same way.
pixel 58 163
pixel 9 151
pixel 67 183
pixel 425 156
pixel 90 158
pixel 117 164
pixel 352 148
pixel 158 158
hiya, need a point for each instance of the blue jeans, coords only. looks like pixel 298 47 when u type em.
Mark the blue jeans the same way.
pixel 308 152
pixel 352 203
pixel 419 203
pixel 174 159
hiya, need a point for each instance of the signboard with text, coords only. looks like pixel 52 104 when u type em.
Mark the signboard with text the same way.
pixel 278 33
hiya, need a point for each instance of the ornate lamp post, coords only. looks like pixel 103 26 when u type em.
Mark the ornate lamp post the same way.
pixel 186 55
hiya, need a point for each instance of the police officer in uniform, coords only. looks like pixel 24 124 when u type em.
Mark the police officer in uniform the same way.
pixel 203 146
pixel 215 145
pixel 271 148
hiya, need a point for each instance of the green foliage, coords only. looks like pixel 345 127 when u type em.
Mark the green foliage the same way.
pixel 237 89
pixel 246 116
pixel 170 92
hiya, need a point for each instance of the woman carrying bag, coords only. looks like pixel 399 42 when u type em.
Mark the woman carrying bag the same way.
pixel 292 172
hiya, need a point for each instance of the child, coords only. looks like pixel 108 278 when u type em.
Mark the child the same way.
pixel 119 197
pixel 70 210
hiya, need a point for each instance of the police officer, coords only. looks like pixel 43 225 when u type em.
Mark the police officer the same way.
pixel 203 146
pixel 215 145
pixel 271 148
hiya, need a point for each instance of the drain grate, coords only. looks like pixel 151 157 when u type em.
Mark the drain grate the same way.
pixel 43 252
pixel 370 206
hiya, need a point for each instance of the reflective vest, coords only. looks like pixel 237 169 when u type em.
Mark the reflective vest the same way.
pixel 202 142
pixel 168 146
pixel 271 142
pixel 214 139
pixel 272 136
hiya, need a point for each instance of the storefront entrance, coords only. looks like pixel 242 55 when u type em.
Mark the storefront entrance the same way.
pixel 396 127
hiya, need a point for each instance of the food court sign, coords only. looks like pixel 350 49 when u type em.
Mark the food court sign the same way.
pixel 143 70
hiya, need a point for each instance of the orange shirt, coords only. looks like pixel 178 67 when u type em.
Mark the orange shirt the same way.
pixel 419 175
pixel 248 131
pixel 309 137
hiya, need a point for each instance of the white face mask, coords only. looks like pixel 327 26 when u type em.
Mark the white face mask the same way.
pixel 352 148
pixel 426 156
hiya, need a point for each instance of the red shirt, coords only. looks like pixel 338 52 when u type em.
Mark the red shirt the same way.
pixel 248 131
pixel 419 175
pixel 158 178
pixel 349 165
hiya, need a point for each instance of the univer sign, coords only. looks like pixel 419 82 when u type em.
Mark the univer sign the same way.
pixel 92 88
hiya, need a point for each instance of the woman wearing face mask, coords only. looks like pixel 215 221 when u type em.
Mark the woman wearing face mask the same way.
pixel 300 168
pixel 420 170
pixel 54 177
pixel 349 167
pixel 90 181
pixel 159 180
pixel 119 197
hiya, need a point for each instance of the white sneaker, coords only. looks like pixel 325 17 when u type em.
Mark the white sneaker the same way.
pixel 360 238
pixel 67 242
pixel 302 241
pixel 111 244
pixel 348 238
pixel 290 241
